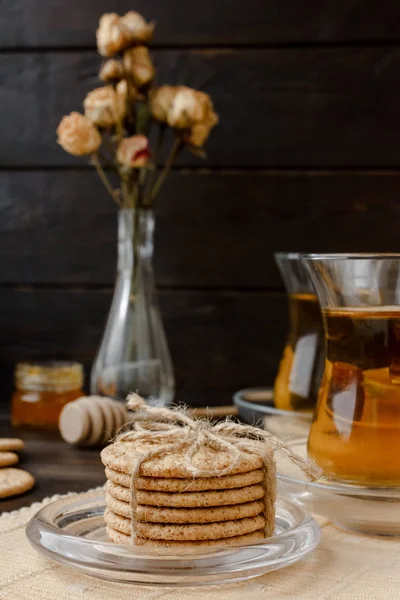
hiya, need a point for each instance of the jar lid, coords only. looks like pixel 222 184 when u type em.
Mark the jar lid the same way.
pixel 55 376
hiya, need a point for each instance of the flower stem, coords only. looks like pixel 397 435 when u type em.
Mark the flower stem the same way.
pixel 159 142
pixel 104 179
pixel 128 201
pixel 151 179
pixel 167 167
pixel 106 161
pixel 119 129
pixel 142 181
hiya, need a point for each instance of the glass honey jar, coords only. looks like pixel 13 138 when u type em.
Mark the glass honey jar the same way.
pixel 41 391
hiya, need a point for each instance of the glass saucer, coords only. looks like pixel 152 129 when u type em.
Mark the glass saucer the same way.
pixel 361 508
pixel 256 407
pixel 72 532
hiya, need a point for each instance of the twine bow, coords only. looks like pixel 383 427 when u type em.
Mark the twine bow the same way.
pixel 173 430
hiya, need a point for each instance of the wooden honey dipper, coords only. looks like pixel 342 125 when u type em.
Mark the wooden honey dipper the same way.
pixel 92 420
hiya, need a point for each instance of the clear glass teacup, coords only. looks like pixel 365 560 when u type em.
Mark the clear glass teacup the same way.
pixel 301 366
pixel 355 434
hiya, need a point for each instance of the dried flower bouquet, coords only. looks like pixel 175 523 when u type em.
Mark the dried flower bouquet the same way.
pixel 118 117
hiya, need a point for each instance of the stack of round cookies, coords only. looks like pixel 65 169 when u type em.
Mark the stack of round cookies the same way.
pixel 91 420
pixel 173 508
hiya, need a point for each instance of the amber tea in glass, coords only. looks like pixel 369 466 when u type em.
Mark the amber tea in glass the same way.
pixel 355 434
pixel 300 369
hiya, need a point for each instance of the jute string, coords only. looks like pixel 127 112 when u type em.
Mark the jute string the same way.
pixel 174 430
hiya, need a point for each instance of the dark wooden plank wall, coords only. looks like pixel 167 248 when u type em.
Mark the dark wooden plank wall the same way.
pixel 305 158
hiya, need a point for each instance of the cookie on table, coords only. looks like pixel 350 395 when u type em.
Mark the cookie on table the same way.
pixel 123 538
pixel 213 514
pixel 161 484
pixel 11 444
pixel 8 458
pixel 91 420
pixel 96 419
pixel 74 423
pixel 188 499
pixel 14 482
pixel 109 417
pixel 187 532
pixel 120 413
pixel 173 501
pixel 115 415
pixel 120 457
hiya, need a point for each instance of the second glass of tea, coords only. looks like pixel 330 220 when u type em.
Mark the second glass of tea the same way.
pixel 355 434
pixel 301 366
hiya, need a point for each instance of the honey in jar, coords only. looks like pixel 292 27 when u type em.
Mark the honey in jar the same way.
pixel 42 389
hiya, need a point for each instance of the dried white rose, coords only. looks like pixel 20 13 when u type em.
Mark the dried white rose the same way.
pixel 161 102
pixel 77 135
pixel 111 70
pixel 134 151
pixel 198 133
pixel 122 89
pixel 188 106
pixel 104 107
pixel 139 29
pixel 185 109
pixel 138 65
pixel 112 36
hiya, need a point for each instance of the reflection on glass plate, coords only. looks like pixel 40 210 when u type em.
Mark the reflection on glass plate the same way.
pixel 373 510
pixel 71 531
pixel 256 406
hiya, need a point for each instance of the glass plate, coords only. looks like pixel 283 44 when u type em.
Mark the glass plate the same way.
pixel 361 508
pixel 71 531
pixel 256 406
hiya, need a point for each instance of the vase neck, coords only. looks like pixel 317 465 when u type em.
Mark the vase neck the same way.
pixel 135 237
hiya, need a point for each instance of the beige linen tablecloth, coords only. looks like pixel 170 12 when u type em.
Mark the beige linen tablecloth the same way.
pixel 344 566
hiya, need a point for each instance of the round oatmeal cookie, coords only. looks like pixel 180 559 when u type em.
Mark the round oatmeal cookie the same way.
pixel 120 457
pixel 122 538
pixel 8 458
pixel 163 484
pixel 188 499
pixel 11 444
pixel 216 514
pixel 187 532
pixel 14 482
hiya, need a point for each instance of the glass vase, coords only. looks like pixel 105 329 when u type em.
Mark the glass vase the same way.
pixel 133 355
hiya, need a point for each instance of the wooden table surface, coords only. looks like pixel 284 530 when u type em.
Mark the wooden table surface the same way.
pixel 57 467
